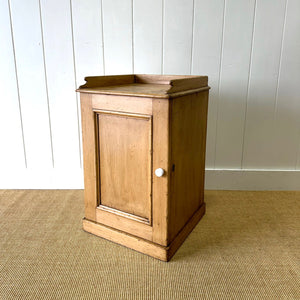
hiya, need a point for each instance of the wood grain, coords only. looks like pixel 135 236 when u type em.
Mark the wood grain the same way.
pixel 121 222
pixel 89 157
pixel 122 104
pixel 127 147
pixel 164 253
pixel 132 89
pixel 130 241
pixel 177 82
pixel 185 231
pixel 97 81
pixel 161 149
pixel 158 86
pixel 188 144
pixel 125 162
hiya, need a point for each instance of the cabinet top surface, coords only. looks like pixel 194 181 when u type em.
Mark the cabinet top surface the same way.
pixel 156 86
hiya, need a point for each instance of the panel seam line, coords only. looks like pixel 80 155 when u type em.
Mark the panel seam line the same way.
pixel 17 83
pixel 103 55
pixel 248 84
pixel 193 41
pixel 46 84
pixel 75 83
pixel 132 36
pixel 162 36
pixel 219 80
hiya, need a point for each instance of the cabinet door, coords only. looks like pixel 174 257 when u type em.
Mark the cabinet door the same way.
pixel 122 149
pixel 124 158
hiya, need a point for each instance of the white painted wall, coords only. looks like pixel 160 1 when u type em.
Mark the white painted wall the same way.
pixel 249 49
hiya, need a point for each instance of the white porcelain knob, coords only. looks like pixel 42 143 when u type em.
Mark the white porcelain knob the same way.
pixel 159 172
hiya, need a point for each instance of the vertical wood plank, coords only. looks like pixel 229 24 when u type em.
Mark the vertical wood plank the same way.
pixel 61 82
pixel 160 160
pixel 117 35
pixel 88 46
pixel 89 156
pixel 10 117
pixel 238 30
pixel 147 36
pixel 26 25
pixel 178 23
pixel 259 131
pixel 286 119
pixel 207 46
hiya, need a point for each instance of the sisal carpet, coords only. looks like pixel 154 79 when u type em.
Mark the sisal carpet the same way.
pixel 247 246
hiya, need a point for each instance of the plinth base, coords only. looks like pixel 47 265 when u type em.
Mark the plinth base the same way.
pixel 141 245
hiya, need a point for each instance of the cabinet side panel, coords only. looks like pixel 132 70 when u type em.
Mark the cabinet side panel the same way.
pixel 89 157
pixel 188 141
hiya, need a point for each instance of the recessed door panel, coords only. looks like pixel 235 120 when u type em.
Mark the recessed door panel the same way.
pixel 124 164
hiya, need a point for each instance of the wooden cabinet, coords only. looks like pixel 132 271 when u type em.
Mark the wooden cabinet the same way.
pixel 144 157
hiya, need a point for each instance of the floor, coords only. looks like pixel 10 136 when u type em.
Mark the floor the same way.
pixel 246 247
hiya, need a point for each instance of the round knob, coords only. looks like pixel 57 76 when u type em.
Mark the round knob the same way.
pixel 159 172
